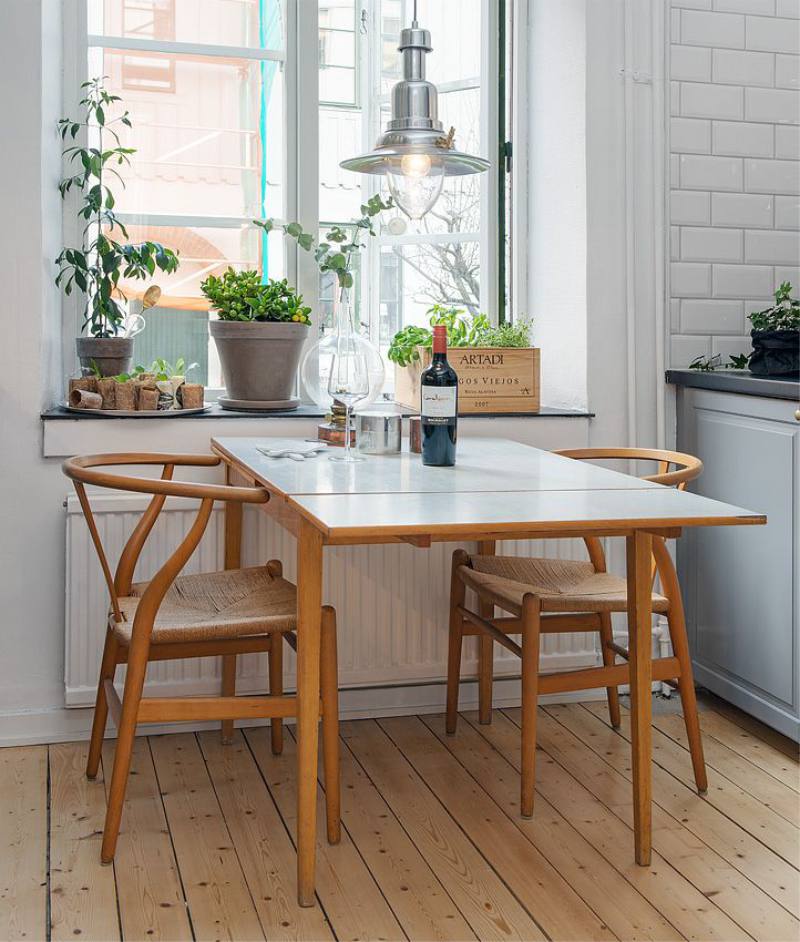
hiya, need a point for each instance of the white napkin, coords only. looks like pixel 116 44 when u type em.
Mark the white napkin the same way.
pixel 292 448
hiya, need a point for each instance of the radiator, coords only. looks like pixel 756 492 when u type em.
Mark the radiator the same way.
pixel 391 603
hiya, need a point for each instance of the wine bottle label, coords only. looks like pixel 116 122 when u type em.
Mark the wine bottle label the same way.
pixel 438 402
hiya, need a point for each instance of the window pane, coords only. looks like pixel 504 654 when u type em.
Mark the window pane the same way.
pixel 337 52
pixel 208 133
pixel 178 325
pixel 257 24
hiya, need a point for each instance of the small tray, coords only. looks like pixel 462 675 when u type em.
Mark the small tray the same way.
pixel 136 413
pixel 258 405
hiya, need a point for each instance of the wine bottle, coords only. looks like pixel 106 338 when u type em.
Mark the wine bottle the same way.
pixel 439 406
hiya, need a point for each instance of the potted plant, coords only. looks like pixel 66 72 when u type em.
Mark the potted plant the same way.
pixel 776 336
pixel 97 264
pixel 259 336
pixel 498 369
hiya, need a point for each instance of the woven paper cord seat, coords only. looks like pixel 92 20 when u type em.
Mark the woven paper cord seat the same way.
pixel 562 585
pixel 211 606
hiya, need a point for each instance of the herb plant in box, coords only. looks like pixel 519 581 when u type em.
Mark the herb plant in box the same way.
pixel 776 336
pixel 260 332
pixel 96 266
pixel 498 369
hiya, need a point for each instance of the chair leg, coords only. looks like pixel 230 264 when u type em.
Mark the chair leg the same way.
pixel 228 690
pixel 134 683
pixel 680 647
pixel 107 669
pixel 485 668
pixel 275 661
pixel 530 693
pixel 454 641
pixel 606 640
pixel 329 684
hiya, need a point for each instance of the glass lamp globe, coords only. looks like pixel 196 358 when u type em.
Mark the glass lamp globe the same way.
pixel 316 366
pixel 415 182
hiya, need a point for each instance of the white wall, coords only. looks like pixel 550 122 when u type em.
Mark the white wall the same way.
pixel 735 202
pixel 600 296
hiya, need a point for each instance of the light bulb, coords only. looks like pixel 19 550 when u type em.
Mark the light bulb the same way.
pixel 415 165
pixel 415 183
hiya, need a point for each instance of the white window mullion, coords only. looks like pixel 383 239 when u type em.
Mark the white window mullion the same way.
pixel 489 147
pixel 170 48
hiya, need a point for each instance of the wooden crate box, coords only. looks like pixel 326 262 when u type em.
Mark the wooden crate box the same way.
pixel 490 379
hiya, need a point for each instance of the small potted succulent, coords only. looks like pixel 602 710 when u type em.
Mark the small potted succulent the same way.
pixel 260 333
pixel 96 266
pixel 776 336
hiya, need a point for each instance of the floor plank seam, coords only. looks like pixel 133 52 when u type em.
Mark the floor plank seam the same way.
pixel 178 870
pixel 468 838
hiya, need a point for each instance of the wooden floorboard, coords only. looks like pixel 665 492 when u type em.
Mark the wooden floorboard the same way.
pixel 23 843
pixel 575 790
pixel 83 897
pixel 350 896
pixel 433 845
pixel 219 899
pixel 149 891
pixel 730 840
pixel 749 906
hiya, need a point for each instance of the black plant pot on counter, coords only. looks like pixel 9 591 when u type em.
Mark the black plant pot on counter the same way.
pixel 775 353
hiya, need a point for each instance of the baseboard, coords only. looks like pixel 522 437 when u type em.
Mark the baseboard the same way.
pixel 70 724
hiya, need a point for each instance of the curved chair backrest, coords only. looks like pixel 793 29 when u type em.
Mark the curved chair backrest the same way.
pixel 85 470
pixel 686 468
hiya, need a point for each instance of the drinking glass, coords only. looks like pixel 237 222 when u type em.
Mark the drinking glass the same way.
pixel 349 383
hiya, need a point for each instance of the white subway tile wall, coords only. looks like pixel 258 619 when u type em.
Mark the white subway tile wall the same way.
pixel 734 168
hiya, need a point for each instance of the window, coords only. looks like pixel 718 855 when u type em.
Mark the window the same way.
pixel 216 100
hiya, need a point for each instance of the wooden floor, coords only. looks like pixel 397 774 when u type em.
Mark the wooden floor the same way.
pixel 433 845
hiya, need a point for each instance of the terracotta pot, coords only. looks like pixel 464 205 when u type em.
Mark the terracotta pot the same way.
pixel 111 355
pixel 259 359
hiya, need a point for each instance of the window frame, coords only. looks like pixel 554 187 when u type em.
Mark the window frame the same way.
pixel 300 59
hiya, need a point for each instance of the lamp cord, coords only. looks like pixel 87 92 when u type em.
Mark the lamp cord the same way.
pixel 415 24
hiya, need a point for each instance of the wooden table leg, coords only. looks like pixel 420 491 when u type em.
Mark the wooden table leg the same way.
pixel 640 604
pixel 233 560
pixel 309 617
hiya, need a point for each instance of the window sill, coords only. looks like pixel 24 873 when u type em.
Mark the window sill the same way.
pixel 216 412
pixel 67 433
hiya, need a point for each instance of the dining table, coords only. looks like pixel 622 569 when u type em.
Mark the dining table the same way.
pixel 497 490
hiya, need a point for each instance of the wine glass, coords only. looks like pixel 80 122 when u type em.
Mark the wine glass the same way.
pixel 349 383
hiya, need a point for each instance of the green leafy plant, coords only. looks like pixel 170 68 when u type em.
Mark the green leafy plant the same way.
pixel 783 315
pixel 242 296
pixel 97 265
pixel 463 330
pixel 706 364
pixel 160 369
pixel 336 252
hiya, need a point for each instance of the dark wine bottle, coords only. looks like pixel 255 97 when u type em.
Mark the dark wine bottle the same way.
pixel 439 406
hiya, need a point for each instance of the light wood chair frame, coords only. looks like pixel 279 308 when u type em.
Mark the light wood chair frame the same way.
pixel 133 708
pixel 675 469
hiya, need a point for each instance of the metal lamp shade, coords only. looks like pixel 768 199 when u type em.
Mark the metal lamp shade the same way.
pixel 415 128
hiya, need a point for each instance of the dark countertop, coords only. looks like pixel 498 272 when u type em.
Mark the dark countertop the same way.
pixel 737 381
pixel 301 412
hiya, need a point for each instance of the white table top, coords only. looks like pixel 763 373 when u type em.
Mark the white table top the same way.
pixel 482 464
pixel 496 486
pixel 351 516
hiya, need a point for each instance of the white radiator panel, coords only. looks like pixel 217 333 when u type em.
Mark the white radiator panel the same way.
pixel 391 602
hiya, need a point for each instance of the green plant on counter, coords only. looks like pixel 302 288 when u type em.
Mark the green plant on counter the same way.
pixel 160 370
pixel 463 330
pixel 334 254
pixel 242 296
pixel 783 315
pixel 97 265
pixel 706 364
